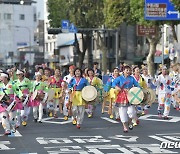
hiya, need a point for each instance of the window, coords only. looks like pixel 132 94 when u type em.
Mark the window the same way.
pixel 7 16
pixel 22 17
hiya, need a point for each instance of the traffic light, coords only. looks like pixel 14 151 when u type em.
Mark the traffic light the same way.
pixel 54 31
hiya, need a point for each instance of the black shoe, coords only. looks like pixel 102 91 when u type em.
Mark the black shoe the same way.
pixel 40 121
pixel 35 120
pixel 130 126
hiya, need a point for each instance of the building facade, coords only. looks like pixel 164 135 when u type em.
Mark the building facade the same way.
pixel 17 27
pixel 47 43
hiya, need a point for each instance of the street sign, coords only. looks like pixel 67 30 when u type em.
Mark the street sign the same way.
pixel 145 30
pixel 68 27
pixel 65 26
pixel 72 28
pixel 160 10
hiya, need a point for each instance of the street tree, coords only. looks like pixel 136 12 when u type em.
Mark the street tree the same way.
pixel 132 12
pixel 84 14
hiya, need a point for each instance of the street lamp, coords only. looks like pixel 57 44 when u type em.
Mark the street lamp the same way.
pixel 29 34
pixel 21 2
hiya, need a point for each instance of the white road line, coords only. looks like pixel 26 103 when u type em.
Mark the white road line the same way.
pixel 159 138
pixel 49 120
pixel 16 134
pixel 110 120
pixel 148 117
pixel 169 134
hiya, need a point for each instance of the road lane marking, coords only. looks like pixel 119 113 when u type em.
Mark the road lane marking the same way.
pixel 110 120
pixel 148 117
pixel 3 145
pixel 16 134
pixel 125 138
pixel 49 120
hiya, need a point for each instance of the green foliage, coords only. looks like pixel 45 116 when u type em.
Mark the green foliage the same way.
pixel 177 4
pixel 131 12
pixel 58 10
pixel 83 13
pixel 116 12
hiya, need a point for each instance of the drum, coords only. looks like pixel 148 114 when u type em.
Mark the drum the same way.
pixel 147 97
pixel 153 96
pixel 40 96
pixel 176 96
pixel 89 94
pixel 135 95
pixel 51 94
pixel 11 106
pixel 8 102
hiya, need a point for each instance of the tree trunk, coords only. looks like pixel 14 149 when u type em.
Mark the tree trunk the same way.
pixel 150 58
pixel 89 47
pixel 153 41
pixel 80 53
pixel 176 43
pixel 174 32
pixel 104 59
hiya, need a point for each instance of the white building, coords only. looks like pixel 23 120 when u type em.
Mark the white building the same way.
pixel 17 26
pixel 47 43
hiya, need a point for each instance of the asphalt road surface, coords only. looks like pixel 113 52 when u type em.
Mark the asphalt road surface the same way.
pixel 98 135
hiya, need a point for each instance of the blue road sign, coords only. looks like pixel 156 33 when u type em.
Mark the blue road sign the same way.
pixel 72 28
pixel 68 27
pixel 160 10
pixel 65 25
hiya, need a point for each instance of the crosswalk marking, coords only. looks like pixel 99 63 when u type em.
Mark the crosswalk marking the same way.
pixel 16 134
pixel 148 117
pixel 49 120
pixel 110 120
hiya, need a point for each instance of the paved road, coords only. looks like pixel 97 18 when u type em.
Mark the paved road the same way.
pixel 98 135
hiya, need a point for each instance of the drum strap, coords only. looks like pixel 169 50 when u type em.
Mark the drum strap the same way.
pixel 36 86
pixel 135 96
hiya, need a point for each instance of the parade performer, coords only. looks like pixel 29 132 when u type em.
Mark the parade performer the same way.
pixel 8 104
pixel 76 85
pixel 23 85
pixel 55 84
pixel 137 76
pixel 175 81
pixel 163 83
pixel 46 79
pixel 147 78
pixel 38 104
pixel 68 107
pixel 68 77
pixel 112 94
pixel 64 98
pixel 126 111
pixel 85 75
pixel 97 83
